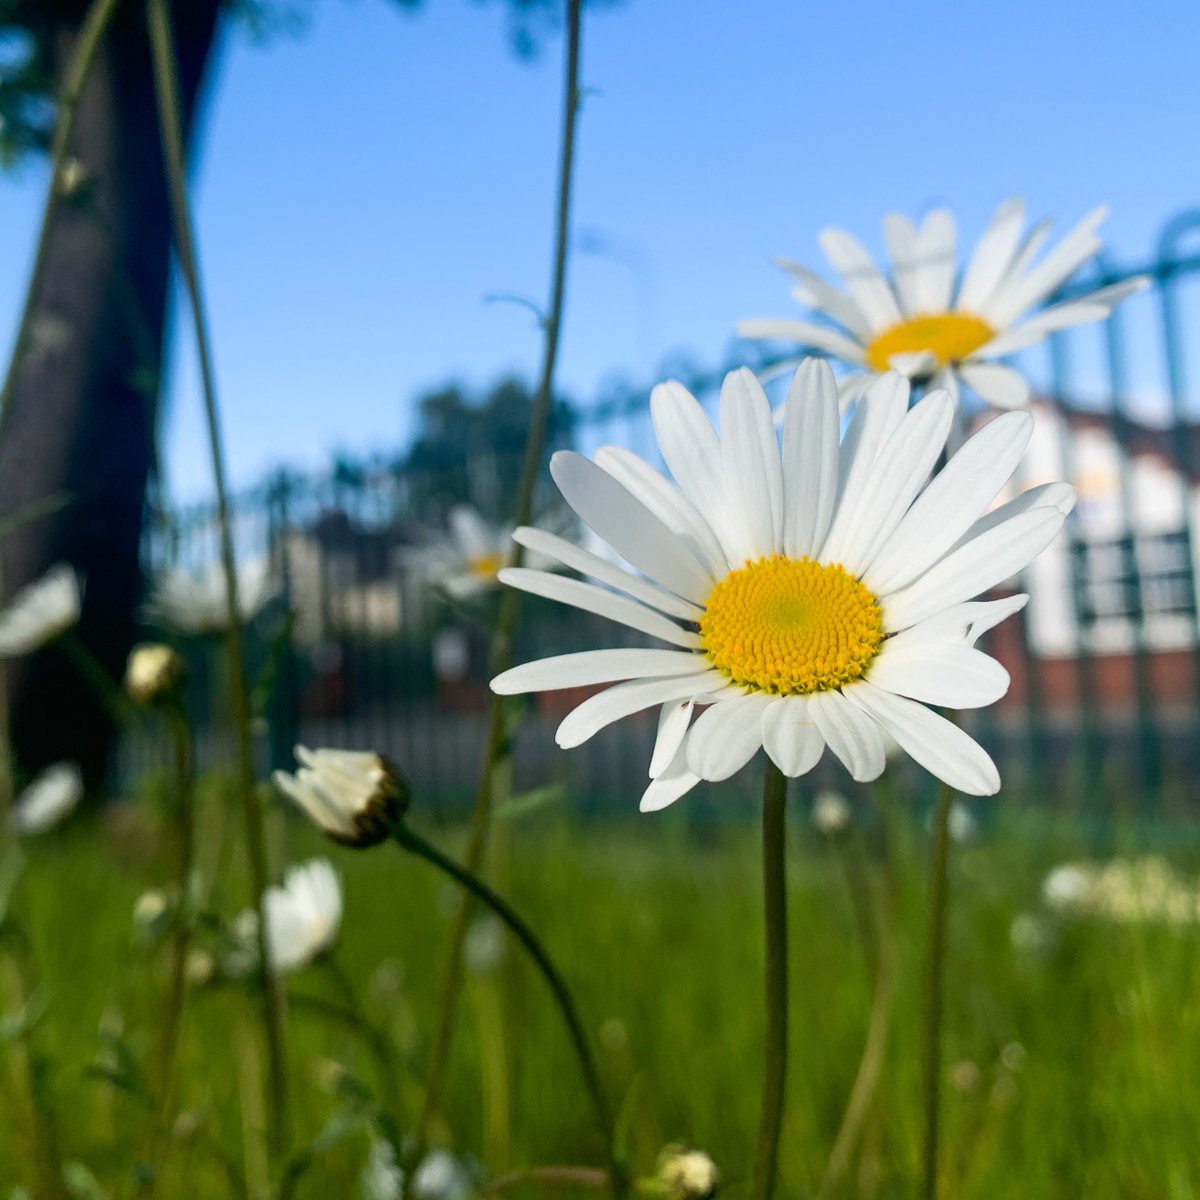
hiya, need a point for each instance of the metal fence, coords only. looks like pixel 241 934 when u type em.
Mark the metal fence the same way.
pixel 1105 660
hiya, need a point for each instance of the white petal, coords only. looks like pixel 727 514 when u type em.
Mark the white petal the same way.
pixel 578 559
pixel 791 737
pixel 852 736
pixel 973 568
pixel 726 736
pixel 998 385
pixel 852 386
pixel 955 498
pixel 808 335
pixel 936 249
pixel 666 502
pixel 814 292
pixel 947 674
pixel 671 784
pixel 624 700
pixel 1020 293
pixel 993 255
pixel 1058 495
pixel 471 532
pixel 937 744
pixel 861 277
pixel 879 413
pixel 901 240
pixel 628 526
pixel 913 364
pixel 692 451
pixel 750 459
pixel 673 722
pixel 869 517
pixel 962 623
pixel 810 458
pixel 600 601
pixel 596 666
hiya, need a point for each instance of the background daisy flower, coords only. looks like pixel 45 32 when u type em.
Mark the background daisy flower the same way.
pixel 40 612
pixel 813 596
pixel 918 322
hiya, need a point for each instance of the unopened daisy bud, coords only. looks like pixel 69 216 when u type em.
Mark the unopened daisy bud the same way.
pixel 688 1174
pixel 50 798
pixel 831 814
pixel 154 673
pixel 354 796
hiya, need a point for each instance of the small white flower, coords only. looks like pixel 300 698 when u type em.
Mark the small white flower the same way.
pixel 154 671
pixel 918 323
pixel 831 814
pixel 483 949
pixel 149 907
pixel 195 603
pixel 382 1178
pixel 808 596
pixel 352 796
pixel 51 797
pixel 688 1174
pixel 304 915
pixel 40 612
pixel 1067 886
pixel 441 1176
pixel 962 826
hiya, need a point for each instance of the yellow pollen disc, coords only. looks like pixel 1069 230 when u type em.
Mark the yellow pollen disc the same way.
pixel 791 626
pixel 949 337
pixel 486 565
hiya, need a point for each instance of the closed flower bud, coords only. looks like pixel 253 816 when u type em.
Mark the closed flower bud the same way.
pixel 355 797
pixel 688 1174
pixel 154 673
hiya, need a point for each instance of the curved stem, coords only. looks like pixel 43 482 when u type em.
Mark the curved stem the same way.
pixel 934 981
pixel 166 85
pixel 417 845
pixel 91 34
pixel 492 772
pixel 766 1161
pixel 181 943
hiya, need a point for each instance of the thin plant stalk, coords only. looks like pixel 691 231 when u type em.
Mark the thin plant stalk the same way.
pixel 493 778
pixel 415 844
pixel 168 1051
pixel 273 996
pixel 879 946
pixel 774 850
pixel 934 983
pixel 87 45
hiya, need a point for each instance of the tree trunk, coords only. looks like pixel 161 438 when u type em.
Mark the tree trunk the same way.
pixel 81 417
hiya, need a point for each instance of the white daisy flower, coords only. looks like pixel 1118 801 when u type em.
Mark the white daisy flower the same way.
pixel 303 916
pixel 352 796
pixel 194 602
pixel 48 800
pixel 40 612
pixel 688 1174
pixel 918 322
pixel 813 597
pixel 831 814
pixel 153 672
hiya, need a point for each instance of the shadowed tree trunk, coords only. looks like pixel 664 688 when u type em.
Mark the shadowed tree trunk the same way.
pixel 80 420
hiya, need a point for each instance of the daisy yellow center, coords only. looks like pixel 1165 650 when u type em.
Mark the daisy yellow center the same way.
pixel 485 566
pixel 949 337
pixel 791 626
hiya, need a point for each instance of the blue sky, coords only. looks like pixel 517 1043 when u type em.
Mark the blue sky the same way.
pixel 364 186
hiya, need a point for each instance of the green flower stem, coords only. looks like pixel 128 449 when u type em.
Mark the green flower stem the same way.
pixel 881 953
pixel 494 775
pixel 91 34
pixel 415 844
pixel 273 1014
pixel 168 1051
pixel 550 1177
pixel 935 969
pixel 766 1161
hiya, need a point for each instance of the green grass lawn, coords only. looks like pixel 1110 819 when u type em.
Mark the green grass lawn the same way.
pixel 1070 1059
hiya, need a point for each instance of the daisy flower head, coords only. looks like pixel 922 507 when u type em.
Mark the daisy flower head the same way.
pixel 813 595
pixel 353 796
pixel 923 323
pixel 40 612
pixel 303 916
pixel 194 602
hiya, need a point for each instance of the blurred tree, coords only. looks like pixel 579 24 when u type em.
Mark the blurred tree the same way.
pixel 469 449
pixel 80 405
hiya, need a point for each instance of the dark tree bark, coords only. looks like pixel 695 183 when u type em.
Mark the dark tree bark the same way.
pixel 80 420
